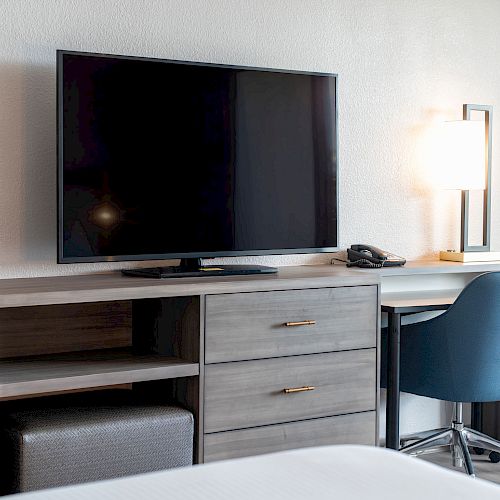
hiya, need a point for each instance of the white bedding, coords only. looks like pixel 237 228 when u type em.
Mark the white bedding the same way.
pixel 333 472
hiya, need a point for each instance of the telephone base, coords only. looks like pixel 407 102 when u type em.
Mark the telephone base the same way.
pixel 469 256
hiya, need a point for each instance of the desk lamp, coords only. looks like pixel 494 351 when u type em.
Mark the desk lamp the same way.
pixel 467 146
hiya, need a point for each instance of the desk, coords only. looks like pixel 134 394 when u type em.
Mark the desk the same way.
pixel 396 305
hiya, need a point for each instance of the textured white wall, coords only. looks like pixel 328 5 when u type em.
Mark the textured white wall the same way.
pixel 402 65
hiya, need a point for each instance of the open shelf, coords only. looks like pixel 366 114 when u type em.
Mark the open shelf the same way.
pixel 86 369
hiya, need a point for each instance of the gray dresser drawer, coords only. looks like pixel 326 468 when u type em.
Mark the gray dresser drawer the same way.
pixel 358 428
pixel 254 325
pixel 251 393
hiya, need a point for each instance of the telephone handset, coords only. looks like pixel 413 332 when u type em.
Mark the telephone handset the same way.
pixel 370 256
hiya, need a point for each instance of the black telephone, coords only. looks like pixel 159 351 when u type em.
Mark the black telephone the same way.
pixel 369 256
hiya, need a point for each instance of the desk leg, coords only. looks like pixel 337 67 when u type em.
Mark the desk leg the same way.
pixel 393 354
pixel 477 416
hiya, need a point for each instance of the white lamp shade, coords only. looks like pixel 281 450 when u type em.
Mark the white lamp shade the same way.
pixel 463 155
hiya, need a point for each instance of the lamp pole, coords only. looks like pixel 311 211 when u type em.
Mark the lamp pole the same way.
pixel 464 233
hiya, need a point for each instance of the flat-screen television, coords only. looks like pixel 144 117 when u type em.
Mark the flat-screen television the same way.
pixel 161 159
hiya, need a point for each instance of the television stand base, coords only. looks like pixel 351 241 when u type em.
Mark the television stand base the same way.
pixel 188 270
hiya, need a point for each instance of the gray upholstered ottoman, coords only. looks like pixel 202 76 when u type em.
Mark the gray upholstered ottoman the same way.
pixel 55 447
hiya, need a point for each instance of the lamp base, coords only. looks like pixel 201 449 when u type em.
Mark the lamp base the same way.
pixel 468 256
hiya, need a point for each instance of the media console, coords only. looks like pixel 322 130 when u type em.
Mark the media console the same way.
pixel 265 362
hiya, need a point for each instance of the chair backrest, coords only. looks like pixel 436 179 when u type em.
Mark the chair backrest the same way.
pixel 456 356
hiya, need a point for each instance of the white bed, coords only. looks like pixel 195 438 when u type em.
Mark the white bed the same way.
pixel 333 472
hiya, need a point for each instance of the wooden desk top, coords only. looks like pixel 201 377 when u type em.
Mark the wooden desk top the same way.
pixel 113 286
pixel 418 301
pixel 434 267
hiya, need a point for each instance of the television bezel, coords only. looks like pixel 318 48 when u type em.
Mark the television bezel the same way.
pixel 61 259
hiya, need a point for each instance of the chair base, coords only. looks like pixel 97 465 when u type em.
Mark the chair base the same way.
pixel 458 438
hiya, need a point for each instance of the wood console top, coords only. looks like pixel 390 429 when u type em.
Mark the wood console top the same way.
pixel 113 286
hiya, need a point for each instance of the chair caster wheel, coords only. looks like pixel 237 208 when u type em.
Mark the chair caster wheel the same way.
pixel 478 451
pixel 494 457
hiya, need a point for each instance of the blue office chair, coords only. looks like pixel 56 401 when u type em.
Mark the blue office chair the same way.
pixel 456 357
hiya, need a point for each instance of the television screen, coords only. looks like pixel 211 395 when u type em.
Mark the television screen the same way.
pixel 167 159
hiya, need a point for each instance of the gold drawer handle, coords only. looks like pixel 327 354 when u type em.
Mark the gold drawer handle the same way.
pixel 306 322
pixel 291 390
